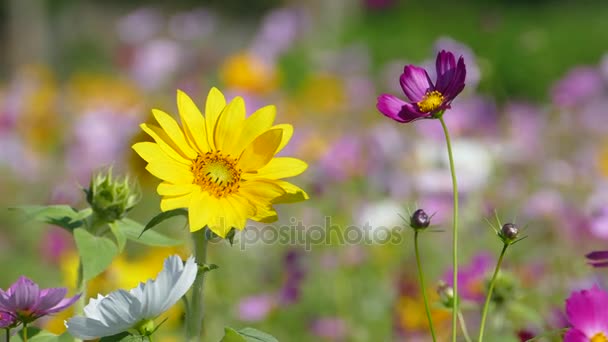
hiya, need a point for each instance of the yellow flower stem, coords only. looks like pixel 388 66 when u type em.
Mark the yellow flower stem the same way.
pixel 423 287
pixel 486 305
pixel 194 319
pixel 454 232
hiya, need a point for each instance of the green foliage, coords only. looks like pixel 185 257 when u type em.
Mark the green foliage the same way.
pixel 246 335
pixel 37 335
pixel 134 232
pixel 162 217
pixel 123 337
pixel 60 215
pixel 96 252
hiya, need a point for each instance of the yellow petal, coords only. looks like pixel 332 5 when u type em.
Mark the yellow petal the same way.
pixel 213 107
pixel 241 210
pixel 168 189
pixel 172 173
pixel 261 150
pixel 229 126
pixel 260 121
pixel 171 128
pixel 193 122
pixel 201 210
pixel 287 134
pixel 266 215
pixel 261 192
pixel 165 143
pixel 152 153
pixel 292 193
pixel 174 202
pixel 277 168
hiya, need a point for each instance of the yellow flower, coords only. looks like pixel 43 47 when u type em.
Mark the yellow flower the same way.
pixel 247 72
pixel 221 166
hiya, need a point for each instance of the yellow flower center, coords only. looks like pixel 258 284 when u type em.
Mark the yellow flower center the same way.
pixel 599 337
pixel 430 102
pixel 216 173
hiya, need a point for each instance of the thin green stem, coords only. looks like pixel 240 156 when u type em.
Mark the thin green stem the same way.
pixel 423 287
pixel 463 327
pixel 455 230
pixel 81 285
pixel 486 305
pixel 8 334
pixel 24 332
pixel 194 319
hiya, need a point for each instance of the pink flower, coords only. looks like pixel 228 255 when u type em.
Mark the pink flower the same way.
pixel 587 312
pixel 427 99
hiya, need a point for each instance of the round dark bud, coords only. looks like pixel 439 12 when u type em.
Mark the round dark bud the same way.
pixel 420 219
pixel 509 231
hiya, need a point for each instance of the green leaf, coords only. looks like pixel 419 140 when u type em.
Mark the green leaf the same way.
pixel 122 337
pixel 60 215
pixel 120 235
pixel 246 335
pixel 35 334
pixel 163 216
pixel 133 229
pixel 231 335
pixel 96 252
pixel 207 268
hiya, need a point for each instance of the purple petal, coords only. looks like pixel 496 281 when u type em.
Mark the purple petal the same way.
pixel 457 83
pixel 599 264
pixel 415 82
pixel 587 310
pixel 446 67
pixel 64 303
pixel 24 294
pixel 390 106
pixel 574 335
pixel 597 255
pixel 49 298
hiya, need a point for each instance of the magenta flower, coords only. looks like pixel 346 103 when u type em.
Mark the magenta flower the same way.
pixel 598 258
pixel 587 312
pixel 26 302
pixel 6 320
pixel 427 100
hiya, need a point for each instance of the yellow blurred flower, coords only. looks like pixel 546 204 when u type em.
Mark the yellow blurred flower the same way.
pixel 323 93
pixel 246 72
pixel 221 166
pixel 603 160
pixel 92 91
pixel 411 315
pixel 37 93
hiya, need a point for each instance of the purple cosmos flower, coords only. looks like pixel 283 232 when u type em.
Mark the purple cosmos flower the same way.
pixel 25 301
pixel 472 277
pixel 598 258
pixel 427 100
pixel 587 312
pixel 6 320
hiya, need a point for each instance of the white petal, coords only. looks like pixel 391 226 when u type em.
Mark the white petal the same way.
pixel 116 310
pixel 89 329
pixel 91 310
pixel 169 286
pixel 180 285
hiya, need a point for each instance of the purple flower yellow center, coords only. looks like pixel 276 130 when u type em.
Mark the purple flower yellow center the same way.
pixel 216 173
pixel 599 337
pixel 431 101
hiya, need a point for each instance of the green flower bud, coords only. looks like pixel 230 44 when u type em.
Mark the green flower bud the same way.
pixel 110 198
pixel 446 294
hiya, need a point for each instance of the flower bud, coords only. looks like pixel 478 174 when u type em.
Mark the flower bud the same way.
pixel 508 232
pixel 446 294
pixel 110 198
pixel 420 220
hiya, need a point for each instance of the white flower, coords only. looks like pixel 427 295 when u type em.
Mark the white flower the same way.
pixel 123 310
